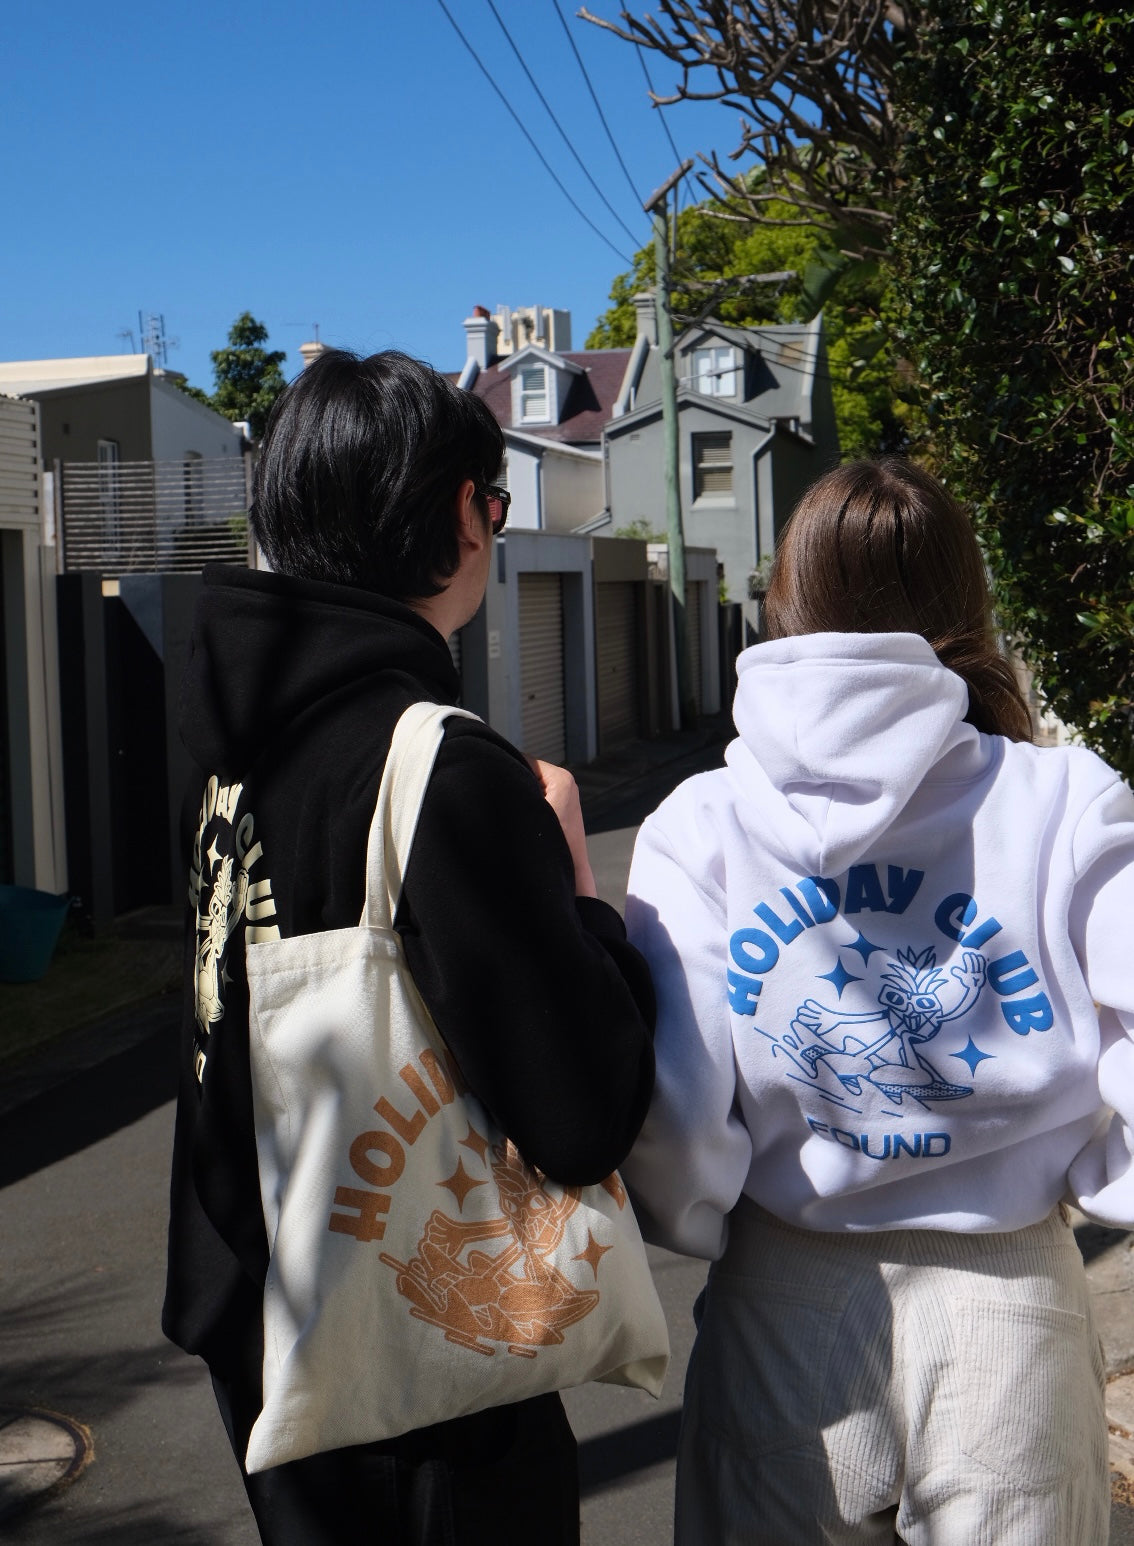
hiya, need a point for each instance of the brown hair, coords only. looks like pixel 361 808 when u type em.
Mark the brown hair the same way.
pixel 881 547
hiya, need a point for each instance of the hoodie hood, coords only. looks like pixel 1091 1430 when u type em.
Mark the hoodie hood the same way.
pixel 267 650
pixel 838 731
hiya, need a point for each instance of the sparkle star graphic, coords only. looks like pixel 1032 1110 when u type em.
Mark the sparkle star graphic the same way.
pixel 593 1254
pixel 839 977
pixel 863 946
pixel 460 1183
pixel 476 1142
pixel 972 1055
pixel 213 853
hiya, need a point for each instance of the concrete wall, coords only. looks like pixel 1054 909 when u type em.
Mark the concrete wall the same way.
pixel 525 512
pixel 573 491
pixel 701 566
pixel 74 419
pixel 724 522
pixel 124 642
pixel 526 552
pixel 181 425
pixel 35 814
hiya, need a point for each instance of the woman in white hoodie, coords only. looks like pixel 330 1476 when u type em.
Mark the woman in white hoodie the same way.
pixel 892 947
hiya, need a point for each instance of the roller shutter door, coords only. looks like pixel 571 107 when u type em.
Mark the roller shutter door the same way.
pixel 541 666
pixel 616 629
pixel 694 603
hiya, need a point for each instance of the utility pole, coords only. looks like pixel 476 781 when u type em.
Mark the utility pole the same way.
pixel 657 206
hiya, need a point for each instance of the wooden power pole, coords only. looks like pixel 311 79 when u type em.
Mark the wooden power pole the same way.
pixel 657 206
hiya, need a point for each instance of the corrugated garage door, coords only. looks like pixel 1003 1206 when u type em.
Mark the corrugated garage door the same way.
pixel 616 651
pixel 694 604
pixel 541 666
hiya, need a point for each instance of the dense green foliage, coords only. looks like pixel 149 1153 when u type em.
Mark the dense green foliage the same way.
pixel 1012 267
pixel 870 403
pixel 248 376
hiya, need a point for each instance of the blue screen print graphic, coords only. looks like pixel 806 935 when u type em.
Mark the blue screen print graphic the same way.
pixel 862 1037
pixel 874 1056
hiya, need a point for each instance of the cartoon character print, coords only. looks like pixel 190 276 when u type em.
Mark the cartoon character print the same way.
pixel 875 1054
pixel 225 898
pixel 511 1296
pixel 225 910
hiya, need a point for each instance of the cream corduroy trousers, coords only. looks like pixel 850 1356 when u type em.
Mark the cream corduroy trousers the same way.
pixel 913 1385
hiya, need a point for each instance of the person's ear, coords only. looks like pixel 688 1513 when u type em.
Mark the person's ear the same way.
pixel 472 530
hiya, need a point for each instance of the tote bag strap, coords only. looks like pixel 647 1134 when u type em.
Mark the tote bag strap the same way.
pixel 405 778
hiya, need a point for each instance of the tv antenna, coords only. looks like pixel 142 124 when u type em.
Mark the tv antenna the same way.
pixel 151 330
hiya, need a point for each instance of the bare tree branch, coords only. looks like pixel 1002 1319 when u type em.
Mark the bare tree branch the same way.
pixel 812 81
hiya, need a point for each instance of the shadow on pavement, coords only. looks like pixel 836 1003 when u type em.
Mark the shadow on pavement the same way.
pixel 609 1457
pixel 131 1526
pixel 626 802
pixel 1094 1239
pixel 87 1107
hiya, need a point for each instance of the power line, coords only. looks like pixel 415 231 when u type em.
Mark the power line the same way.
pixel 562 131
pixel 661 115
pixel 595 100
pixel 523 130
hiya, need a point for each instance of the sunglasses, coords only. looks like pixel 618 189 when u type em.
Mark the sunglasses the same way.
pixel 497 499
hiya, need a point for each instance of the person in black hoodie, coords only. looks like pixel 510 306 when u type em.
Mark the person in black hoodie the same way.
pixel 376 507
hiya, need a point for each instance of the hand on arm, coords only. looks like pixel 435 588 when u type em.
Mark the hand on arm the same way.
pixel 562 794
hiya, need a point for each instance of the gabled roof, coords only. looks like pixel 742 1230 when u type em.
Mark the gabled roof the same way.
pixel 741 337
pixel 587 407
pixel 786 358
pixel 542 356
pixel 22 378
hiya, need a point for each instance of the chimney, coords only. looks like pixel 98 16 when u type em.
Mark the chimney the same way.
pixel 310 352
pixel 482 333
pixel 646 311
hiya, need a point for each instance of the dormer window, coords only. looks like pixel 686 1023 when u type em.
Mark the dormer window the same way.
pixel 714 371
pixel 534 402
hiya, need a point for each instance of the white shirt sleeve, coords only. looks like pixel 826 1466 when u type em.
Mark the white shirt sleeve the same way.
pixel 1101 1177
pixel 690 1162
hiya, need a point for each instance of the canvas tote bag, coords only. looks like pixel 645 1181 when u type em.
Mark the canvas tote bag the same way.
pixel 419 1269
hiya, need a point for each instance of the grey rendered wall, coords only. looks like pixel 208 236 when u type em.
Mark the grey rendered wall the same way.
pixel 75 420
pixel 725 523
pixel 795 467
pixel 524 552
pixel 824 427
pixel 572 490
pixel 634 464
pixel 180 425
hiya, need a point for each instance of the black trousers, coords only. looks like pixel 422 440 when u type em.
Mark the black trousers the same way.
pixel 507 1473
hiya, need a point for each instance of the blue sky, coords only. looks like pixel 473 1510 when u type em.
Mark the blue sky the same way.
pixel 343 163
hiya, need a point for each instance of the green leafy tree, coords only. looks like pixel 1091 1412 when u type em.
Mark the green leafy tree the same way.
pixel 188 388
pixel 872 403
pixel 1012 249
pixel 248 376
pixel 982 152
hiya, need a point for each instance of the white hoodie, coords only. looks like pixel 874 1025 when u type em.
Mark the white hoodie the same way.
pixel 879 939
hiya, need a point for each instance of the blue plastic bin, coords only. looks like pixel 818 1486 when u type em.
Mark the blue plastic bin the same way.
pixel 30 925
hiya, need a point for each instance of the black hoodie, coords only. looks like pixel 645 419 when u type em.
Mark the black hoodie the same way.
pixel 291 695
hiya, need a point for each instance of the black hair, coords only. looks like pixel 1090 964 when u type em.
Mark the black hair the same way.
pixel 359 466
